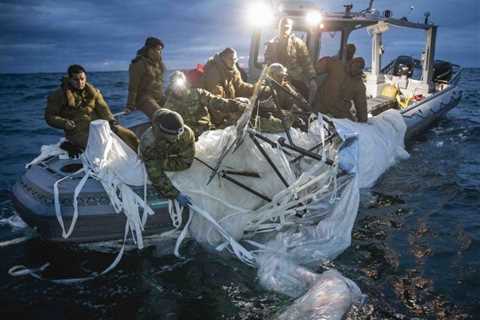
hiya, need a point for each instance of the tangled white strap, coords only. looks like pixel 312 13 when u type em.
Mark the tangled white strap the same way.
pixel 58 210
pixel 20 270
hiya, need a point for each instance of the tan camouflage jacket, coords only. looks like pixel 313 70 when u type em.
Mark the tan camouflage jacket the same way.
pixel 221 81
pixel 292 53
pixel 82 107
pixel 145 80
pixel 354 89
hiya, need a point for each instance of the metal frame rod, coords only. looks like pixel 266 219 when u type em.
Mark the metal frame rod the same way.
pixel 250 174
pixel 304 152
pixel 265 155
pixel 222 174
pixel 313 148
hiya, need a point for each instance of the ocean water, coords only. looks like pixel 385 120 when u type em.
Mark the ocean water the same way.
pixel 415 249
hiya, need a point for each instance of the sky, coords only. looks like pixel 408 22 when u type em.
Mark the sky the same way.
pixel 49 35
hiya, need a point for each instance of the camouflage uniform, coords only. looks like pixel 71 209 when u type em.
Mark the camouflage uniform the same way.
pixel 292 53
pixel 82 107
pixel 145 84
pixel 278 110
pixel 330 98
pixel 224 82
pixel 200 109
pixel 162 155
pixel 354 89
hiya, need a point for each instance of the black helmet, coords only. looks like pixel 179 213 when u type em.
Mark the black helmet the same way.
pixel 167 122
pixel 153 42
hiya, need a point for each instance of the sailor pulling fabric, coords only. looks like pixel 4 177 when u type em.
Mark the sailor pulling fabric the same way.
pixel 161 153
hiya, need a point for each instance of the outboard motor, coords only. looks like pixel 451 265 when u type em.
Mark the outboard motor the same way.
pixel 404 66
pixel 442 70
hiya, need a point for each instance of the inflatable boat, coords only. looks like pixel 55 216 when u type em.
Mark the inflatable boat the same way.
pixel 421 100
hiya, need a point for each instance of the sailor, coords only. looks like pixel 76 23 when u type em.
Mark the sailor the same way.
pixel 279 102
pixel 77 103
pixel 222 77
pixel 354 89
pixel 292 52
pixel 145 83
pixel 350 51
pixel 330 98
pixel 168 145
pixel 198 107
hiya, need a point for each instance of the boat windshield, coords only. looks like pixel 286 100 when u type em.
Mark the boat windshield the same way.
pixel 330 43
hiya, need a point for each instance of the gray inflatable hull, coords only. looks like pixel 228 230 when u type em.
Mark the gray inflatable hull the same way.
pixel 97 220
pixel 424 114
pixel 33 199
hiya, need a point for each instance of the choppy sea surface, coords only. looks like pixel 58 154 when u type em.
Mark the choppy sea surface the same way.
pixel 415 249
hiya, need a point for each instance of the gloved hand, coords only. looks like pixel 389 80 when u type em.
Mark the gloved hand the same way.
pixel 70 125
pixel 73 150
pixel 183 200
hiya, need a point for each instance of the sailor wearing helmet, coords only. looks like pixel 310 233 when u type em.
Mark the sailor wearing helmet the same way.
pixel 279 104
pixel 168 145
pixel 198 106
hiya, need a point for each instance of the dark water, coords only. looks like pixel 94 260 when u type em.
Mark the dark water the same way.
pixel 415 250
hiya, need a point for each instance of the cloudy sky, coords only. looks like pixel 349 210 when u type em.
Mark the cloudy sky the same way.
pixel 49 35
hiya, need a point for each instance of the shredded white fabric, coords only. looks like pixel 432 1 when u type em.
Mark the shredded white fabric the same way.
pixel 315 212
pixel 110 161
pixel 47 151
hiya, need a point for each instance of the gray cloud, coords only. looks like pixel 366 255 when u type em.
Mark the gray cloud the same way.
pixel 47 35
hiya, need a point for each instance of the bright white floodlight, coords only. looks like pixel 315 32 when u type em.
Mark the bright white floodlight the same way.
pixel 180 83
pixel 313 18
pixel 260 14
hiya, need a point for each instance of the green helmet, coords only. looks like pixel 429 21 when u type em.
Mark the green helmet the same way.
pixel 167 122
pixel 277 72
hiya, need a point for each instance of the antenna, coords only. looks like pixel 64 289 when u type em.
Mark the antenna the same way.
pixel 426 15
pixel 370 5
pixel 411 10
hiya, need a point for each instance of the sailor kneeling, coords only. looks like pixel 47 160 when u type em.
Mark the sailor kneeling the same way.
pixel 77 103
pixel 168 145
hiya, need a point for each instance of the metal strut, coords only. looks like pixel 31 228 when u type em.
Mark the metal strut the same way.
pixel 224 174
pixel 302 151
pixel 313 148
pixel 253 136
